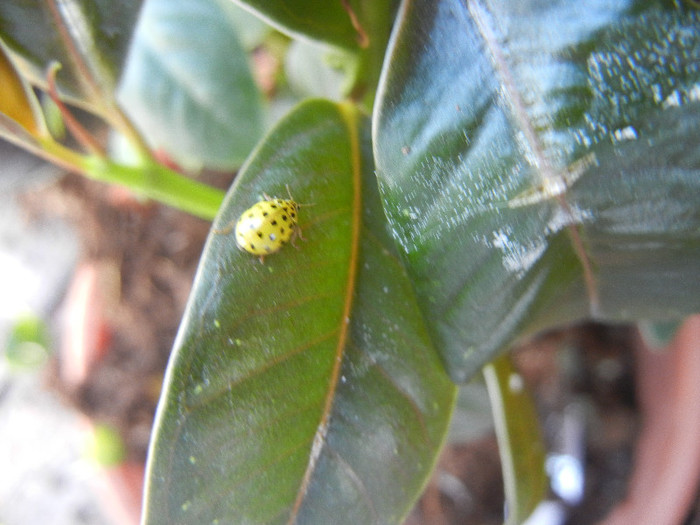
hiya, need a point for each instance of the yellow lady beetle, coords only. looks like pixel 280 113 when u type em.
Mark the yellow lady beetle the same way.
pixel 267 226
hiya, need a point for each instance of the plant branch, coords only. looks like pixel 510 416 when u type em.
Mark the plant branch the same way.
pixel 149 179
pixel 157 182
pixel 86 76
pixel 82 135
pixel 362 38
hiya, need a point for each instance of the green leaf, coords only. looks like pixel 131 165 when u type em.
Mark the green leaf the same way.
pixel 520 442
pixel 360 28
pixel 324 21
pixel 187 84
pixel 539 164
pixel 302 389
pixel 89 39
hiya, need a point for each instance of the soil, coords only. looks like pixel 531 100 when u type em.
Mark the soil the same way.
pixel 155 251
pixel 147 255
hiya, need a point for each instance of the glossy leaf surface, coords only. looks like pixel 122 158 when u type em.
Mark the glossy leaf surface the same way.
pixel 187 84
pixel 302 389
pixel 539 164
pixel 89 38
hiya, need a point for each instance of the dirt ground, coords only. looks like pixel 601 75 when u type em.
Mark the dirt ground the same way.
pixel 155 252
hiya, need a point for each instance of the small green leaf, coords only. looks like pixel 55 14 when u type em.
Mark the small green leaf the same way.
pixel 539 165
pixel 187 84
pixel 304 389
pixel 520 442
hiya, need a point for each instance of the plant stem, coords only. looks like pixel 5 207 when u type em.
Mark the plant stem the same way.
pixel 159 183
pixel 149 179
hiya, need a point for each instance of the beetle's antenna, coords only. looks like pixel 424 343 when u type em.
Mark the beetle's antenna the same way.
pixel 292 198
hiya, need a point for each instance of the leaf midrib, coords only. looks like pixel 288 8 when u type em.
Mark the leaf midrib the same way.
pixel 548 175
pixel 349 115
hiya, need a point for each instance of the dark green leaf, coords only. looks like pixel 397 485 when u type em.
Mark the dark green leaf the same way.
pixel 187 84
pixel 89 39
pixel 539 164
pixel 325 21
pixel 302 389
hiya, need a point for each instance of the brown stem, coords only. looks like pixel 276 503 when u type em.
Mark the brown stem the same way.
pixel 362 38
pixel 82 135
pixel 76 58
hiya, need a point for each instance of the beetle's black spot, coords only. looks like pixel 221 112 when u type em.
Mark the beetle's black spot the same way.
pixel 281 230
pixel 259 235
pixel 252 246
pixel 273 206
pixel 284 218
pixel 293 215
pixel 265 214
pixel 274 223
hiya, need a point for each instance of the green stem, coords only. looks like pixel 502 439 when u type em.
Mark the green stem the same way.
pixel 159 183
pixel 149 179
